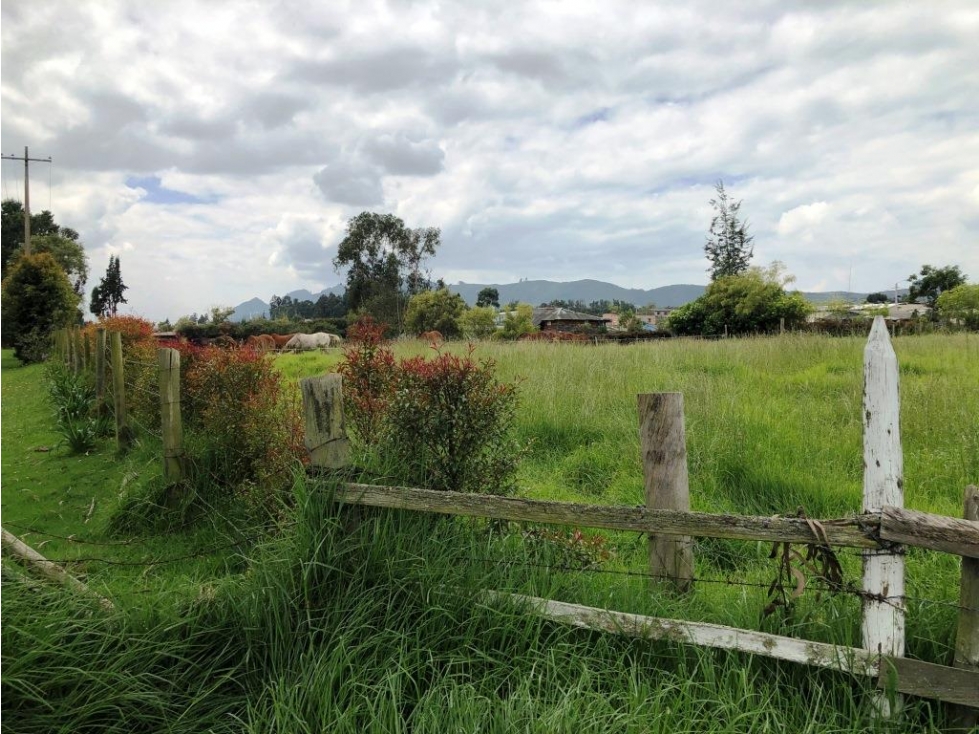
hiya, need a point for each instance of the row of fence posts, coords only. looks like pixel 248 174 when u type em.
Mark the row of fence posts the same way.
pixel 76 351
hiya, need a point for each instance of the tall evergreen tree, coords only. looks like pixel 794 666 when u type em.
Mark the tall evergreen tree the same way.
pixel 729 246
pixel 108 294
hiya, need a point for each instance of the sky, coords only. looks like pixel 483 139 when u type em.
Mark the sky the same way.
pixel 219 148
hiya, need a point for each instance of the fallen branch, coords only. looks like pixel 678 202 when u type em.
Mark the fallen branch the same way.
pixel 15 546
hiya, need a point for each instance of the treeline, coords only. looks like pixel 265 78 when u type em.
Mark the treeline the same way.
pixel 240 330
pixel 327 306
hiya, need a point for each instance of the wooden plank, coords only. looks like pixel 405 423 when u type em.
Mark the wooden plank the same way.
pixel 15 546
pixel 663 445
pixel 856 532
pixel 966 654
pixel 883 484
pixel 820 654
pixel 929 680
pixel 935 532
pixel 902 674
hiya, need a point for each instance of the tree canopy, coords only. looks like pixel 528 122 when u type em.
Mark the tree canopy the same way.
pixel 517 321
pixel 960 305
pixel 931 282
pixel 753 302
pixel 42 225
pixel 478 322
pixel 37 298
pixel 108 294
pixel 729 246
pixel 385 264
pixel 488 297
pixel 435 311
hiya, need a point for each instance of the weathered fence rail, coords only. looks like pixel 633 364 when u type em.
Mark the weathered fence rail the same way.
pixel 881 531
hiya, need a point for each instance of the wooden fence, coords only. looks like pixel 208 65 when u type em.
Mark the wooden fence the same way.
pixel 881 531
pixel 106 356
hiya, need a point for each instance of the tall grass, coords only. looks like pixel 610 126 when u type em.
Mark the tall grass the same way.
pixel 361 620
pixel 355 621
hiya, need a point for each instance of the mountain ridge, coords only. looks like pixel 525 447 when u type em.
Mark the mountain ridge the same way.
pixel 536 292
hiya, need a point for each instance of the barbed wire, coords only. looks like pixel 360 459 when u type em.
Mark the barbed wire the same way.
pixel 848 588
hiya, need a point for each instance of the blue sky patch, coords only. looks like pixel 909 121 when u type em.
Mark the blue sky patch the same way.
pixel 158 194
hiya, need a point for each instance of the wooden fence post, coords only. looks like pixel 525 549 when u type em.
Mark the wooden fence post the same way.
pixel 326 432
pixel 173 432
pixel 124 434
pixel 663 444
pixel 883 484
pixel 100 371
pixel 58 348
pixel 76 349
pixel 87 351
pixel 965 718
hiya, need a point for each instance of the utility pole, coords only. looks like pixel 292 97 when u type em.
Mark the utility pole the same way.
pixel 27 193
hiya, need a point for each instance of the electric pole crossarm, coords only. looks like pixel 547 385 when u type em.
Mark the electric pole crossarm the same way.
pixel 27 192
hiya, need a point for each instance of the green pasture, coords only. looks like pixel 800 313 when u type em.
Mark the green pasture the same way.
pixel 773 427
pixel 376 624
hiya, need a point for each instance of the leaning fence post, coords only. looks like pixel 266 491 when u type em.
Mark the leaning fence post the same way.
pixel 966 718
pixel 100 371
pixel 123 431
pixel 883 484
pixel 168 361
pixel 326 432
pixel 663 444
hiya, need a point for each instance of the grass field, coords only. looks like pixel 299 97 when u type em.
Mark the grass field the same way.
pixel 322 629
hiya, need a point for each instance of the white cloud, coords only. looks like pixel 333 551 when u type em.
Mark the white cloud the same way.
pixel 803 220
pixel 547 141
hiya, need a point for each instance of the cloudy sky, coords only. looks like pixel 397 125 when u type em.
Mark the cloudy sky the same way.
pixel 220 147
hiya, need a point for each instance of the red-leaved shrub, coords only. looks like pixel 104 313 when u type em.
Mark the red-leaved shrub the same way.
pixel 444 423
pixel 139 365
pixel 249 433
pixel 368 368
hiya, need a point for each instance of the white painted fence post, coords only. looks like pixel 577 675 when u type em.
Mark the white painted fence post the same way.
pixel 883 484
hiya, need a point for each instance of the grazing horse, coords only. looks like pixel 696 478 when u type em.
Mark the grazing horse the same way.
pixel 280 340
pixel 432 337
pixel 261 343
pixel 307 342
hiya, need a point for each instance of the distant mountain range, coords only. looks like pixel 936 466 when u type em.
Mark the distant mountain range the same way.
pixel 536 292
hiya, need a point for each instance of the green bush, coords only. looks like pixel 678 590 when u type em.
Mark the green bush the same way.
pixel 754 302
pixel 435 311
pixel 37 299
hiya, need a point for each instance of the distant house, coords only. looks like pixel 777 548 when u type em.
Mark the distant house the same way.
pixel 893 313
pixel 564 319
pixel 651 321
